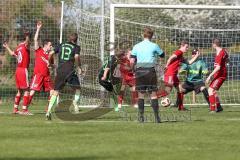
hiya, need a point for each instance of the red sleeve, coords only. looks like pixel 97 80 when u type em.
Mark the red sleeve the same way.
pixel 178 53
pixel 219 58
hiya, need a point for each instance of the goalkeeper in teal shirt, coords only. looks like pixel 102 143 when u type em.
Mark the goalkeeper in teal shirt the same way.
pixel 194 79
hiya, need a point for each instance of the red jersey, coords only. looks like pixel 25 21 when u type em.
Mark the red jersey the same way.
pixel 22 54
pixel 221 60
pixel 125 67
pixel 41 62
pixel 175 64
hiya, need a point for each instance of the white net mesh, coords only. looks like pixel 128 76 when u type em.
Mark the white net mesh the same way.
pixel 173 25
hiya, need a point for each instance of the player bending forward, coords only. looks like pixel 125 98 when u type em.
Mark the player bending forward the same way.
pixel 41 77
pixel 219 75
pixel 128 79
pixel 109 74
pixel 171 70
pixel 22 54
pixel 194 74
pixel 68 55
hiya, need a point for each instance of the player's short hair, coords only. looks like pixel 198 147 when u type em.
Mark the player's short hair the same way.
pixel 45 41
pixel 73 37
pixel 148 33
pixel 183 42
pixel 217 42
pixel 120 53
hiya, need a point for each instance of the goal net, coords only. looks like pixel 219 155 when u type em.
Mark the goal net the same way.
pixel 173 23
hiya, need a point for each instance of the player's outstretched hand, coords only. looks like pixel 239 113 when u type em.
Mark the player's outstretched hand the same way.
pixel 5 45
pixel 198 53
pixel 39 24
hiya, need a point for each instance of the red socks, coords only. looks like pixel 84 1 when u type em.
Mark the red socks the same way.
pixel 212 101
pixel 217 100
pixel 120 97
pixel 17 100
pixel 30 99
pixel 25 102
pixel 180 97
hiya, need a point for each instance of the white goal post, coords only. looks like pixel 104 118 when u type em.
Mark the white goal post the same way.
pixel 113 18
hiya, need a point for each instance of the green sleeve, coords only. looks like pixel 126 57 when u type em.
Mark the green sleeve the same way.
pixel 184 67
pixel 204 68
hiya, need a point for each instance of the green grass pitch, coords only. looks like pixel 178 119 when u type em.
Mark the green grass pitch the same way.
pixel 205 137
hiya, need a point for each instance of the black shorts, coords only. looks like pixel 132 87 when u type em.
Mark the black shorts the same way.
pixel 189 86
pixel 66 74
pixel 146 79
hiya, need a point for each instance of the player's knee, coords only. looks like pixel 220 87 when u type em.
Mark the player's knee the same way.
pixel 140 95
pixel 26 93
pixel 55 93
pixel 122 87
pixel 32 92
pixel 154 95
pixel 133 89
pixel 210 91
pixel 181 89
pixel 51 92
pixel 202 88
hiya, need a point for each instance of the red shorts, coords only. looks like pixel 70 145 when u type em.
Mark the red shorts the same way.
pixel 217 83
pixel 21 77
pixel 171 80
pixel 39 81
pixel 129 81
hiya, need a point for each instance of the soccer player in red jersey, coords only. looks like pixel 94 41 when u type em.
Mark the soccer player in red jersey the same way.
pixel 22 54
pixel 219 75
pixel 128 79
pixel 41 77
pixel 171 71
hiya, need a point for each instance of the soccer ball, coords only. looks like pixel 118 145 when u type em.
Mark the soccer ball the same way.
pixel 165 102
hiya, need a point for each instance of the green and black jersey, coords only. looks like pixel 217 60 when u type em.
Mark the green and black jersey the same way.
pixel 111 63
pixel 66 52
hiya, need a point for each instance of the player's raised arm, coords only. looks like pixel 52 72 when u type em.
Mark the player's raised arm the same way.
pixel 5 45
pixel 194 58
pixel 39 25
